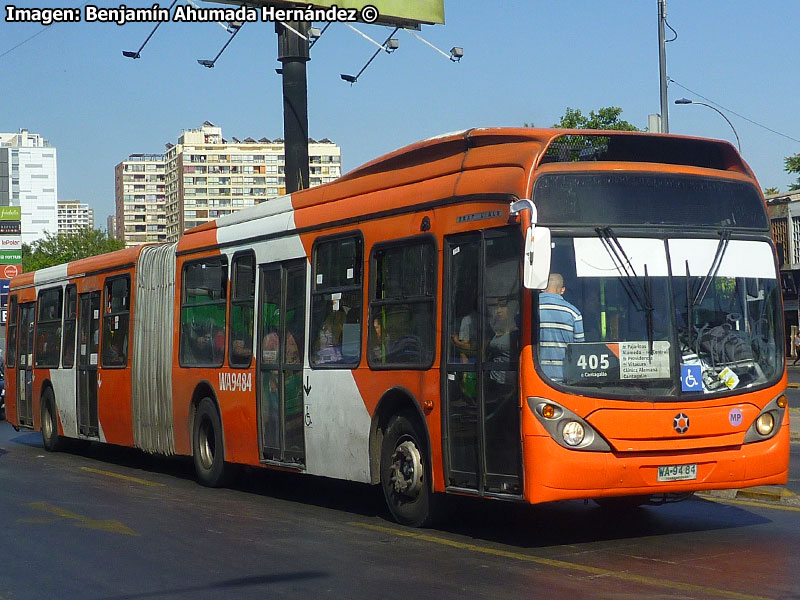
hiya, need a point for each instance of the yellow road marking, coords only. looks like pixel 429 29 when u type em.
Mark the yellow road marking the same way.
pixel 561 564
pixel 108 525
pixel 124 477
pixel 753 503
pixel 793 385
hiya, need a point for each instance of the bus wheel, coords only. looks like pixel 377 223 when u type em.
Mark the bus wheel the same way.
pixel 405 474
pixel 50 437
pixel 207 447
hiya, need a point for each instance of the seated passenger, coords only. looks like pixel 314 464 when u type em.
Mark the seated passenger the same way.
pixel 328 345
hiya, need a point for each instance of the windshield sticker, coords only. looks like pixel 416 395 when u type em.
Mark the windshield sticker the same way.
pixel 617 361
pixel 729 378
pixel 741 258
pixel 593 258
pixel 691 378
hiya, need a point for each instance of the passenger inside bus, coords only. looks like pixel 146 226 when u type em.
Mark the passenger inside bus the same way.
pixel 560 324
pixel 379 341
pixel 328 344
pixel 466 340
pixel 501 410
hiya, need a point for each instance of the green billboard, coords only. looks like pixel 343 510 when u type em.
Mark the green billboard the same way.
pixel 10 213
pixel 10 257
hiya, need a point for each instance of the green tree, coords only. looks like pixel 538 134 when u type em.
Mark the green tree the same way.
pixel 771 191
pixel 604 118
pixel 58 249
pixel 793 166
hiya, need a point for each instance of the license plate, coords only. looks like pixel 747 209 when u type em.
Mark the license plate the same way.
pixel 677 472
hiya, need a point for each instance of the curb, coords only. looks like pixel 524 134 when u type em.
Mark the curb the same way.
pixel 774 494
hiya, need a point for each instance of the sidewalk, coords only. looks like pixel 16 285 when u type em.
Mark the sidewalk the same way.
pixel 763 493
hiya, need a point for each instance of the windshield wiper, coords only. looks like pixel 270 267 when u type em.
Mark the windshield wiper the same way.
pixel 725 237
pixel 640 294
pixel 693 300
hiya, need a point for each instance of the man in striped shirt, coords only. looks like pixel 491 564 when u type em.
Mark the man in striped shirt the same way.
pixel 560 323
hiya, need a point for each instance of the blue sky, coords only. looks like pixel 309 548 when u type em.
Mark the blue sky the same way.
pixel 524 61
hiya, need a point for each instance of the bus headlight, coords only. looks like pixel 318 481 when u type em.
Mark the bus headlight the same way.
pixel 765 423
pixel 573 433
pixel 566 428
pixel 769 421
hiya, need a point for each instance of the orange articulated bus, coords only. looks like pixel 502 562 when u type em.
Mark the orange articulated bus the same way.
pixel 522 314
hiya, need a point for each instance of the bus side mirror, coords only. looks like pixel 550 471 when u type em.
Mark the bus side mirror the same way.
pixel 536 260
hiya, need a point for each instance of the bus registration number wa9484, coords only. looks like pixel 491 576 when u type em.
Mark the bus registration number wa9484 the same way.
pixel 677 472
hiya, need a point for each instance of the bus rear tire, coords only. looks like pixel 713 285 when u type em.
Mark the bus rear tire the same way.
pixel 405 472
pixel 51 441
pixel 207 446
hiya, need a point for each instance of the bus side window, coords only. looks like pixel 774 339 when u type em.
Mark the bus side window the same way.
pixel 336 302
pixel 48 328
pixel 204 301
pixel 243 286
pixel 402 331
pixel 70 312
pixel 11 349
pixel 116 319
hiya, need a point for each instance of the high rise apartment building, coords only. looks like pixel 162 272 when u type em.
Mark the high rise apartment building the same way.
pixel 74 216
pixel 205 177
pixel 140 200
pixel 29 179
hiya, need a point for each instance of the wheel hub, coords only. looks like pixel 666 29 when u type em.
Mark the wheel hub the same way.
pixel 407 469
pixel 207 445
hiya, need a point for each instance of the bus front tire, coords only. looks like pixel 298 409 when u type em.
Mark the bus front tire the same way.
pixel 50 437
pixel 207 445
pixel 405 472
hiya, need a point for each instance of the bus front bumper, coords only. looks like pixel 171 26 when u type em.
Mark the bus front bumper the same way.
pixel 553 472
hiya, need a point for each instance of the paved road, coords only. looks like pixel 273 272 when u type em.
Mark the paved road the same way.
pixel 116 524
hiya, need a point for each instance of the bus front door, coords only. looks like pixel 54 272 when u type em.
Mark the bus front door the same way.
pixel 88 348
pixel 25 343
pixel 480 370
pixel 282 298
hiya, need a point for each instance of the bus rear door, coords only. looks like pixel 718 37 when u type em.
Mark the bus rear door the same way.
pixel 282 298
pixel 25 344
pixel 88 349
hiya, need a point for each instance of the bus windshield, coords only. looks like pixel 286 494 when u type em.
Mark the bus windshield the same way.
pixel 660 317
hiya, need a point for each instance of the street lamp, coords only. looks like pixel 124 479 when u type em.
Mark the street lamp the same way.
pixel 687 101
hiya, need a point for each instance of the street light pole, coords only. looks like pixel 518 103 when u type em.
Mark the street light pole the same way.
pixel 662 65
pixel 687 101
pixel 293 55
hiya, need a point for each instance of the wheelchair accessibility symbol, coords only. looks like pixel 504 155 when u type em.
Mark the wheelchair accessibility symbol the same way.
pixel 691 378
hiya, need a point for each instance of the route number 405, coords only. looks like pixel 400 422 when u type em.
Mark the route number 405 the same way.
pixel 593 361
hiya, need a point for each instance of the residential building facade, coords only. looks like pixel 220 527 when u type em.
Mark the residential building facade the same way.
pixel 74 216
pixel 29 179
pixel 203 177
pixel 139 184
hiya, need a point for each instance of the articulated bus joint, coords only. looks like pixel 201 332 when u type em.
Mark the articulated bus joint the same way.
pixel 566 428
pixel 768 422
